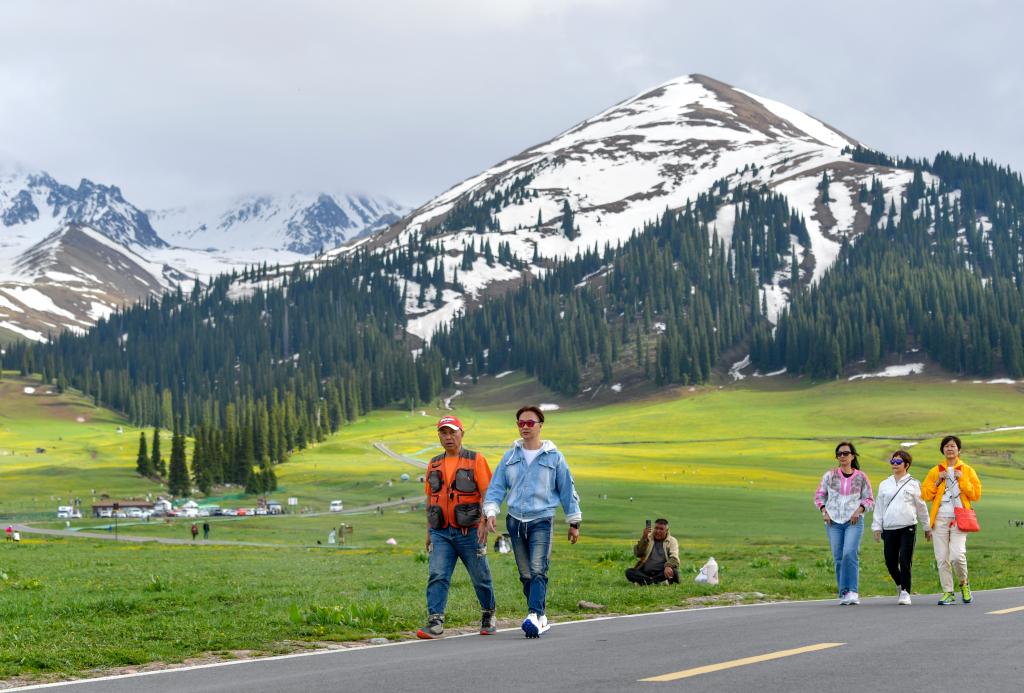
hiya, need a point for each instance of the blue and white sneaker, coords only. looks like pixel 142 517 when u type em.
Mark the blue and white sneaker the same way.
pixel 531 625
pixel 544 627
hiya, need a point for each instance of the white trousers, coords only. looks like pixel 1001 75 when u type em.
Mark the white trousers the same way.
pixel 950 545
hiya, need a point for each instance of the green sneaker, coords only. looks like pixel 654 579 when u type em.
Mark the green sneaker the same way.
pixel 947 599
pixel 965 593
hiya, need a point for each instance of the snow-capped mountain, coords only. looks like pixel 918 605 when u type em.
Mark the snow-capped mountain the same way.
pixel 33 205
pixel 626 166
pixel 300 223
pixel 70 256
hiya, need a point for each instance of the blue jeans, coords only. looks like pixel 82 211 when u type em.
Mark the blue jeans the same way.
pixel 446 547
pixel 531 544
pixel 845 541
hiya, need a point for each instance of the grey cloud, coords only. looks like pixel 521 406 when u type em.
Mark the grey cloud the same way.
pixel 179 101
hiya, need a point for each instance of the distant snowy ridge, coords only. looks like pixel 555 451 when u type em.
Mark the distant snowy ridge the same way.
pixel 301 223
pixel 69 256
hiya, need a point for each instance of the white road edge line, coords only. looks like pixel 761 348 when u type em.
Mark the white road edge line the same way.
pixel 314 653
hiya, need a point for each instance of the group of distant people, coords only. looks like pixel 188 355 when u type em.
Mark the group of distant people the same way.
pixel 844 496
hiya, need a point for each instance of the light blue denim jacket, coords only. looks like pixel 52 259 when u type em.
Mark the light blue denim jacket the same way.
pixel 534 491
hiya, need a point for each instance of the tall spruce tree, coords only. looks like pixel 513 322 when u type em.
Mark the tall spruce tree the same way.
pixel 143 465
pixel 178 481
pixel 156 462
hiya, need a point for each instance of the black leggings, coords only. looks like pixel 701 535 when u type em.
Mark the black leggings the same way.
pixel 898 546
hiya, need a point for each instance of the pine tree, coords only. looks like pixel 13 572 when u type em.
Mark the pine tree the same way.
pixel 568 221
pixel 158 466
pixel 178 481
pixel 143 465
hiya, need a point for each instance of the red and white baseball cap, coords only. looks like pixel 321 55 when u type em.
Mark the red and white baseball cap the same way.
pixel 449 422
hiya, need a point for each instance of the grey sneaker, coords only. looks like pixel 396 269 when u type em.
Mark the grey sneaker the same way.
pixel 488 623
pixel 433 629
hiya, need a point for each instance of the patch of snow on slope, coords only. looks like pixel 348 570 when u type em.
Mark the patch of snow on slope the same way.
pixel 34 335
pixel 802 192
pixel 775 298
pixel 734 371
pixel 813 127
pixel 724 223
pixel 893 372
pixel 100 310
pixel 36 300
pixel 842 207
pixel 4 303
pixel 426 325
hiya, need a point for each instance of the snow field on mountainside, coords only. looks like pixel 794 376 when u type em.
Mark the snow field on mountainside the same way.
pixel 424 326
pixel 34 335
pixel 812 126
pixel 802 193
pixel 34 299
pixel 893 372
pixel 4 303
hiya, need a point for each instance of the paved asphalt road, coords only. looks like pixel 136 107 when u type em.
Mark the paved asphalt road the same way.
pixel 885 647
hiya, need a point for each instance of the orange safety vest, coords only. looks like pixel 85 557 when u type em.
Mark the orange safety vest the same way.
pixel 455 501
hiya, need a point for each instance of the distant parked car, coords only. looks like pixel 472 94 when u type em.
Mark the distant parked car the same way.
pixel 261 511
pixel 105 512
pixel 121 514
pixel 229 511
pixel 337 506
pixel 135 513
pixel 241 511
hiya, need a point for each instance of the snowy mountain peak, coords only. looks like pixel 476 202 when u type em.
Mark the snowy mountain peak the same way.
pixel 604 178
pixel 28 199
pixel 302 223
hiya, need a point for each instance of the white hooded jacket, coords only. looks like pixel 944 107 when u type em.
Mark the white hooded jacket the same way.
pixel 899 504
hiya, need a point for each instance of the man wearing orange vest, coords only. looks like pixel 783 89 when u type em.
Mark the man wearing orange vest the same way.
pixel 455 484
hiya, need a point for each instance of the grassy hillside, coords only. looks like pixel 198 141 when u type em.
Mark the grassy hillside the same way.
pixel 734 469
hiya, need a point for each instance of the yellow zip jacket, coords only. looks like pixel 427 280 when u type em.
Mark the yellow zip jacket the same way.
pixel 970 487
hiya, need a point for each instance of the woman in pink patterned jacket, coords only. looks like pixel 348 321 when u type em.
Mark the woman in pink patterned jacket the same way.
pixel 843 496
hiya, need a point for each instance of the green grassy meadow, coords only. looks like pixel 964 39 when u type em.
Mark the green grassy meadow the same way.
pixel 733 468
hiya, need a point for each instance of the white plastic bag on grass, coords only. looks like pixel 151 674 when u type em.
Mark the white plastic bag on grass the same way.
pixel 708 573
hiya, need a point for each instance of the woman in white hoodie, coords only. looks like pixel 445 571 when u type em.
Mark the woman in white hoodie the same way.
pixel 898 510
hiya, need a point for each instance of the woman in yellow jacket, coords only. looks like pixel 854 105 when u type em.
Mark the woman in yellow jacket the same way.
pixel 950 484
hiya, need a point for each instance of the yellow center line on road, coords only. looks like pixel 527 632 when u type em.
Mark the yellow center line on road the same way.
pixel 697 671
pixel 1006 611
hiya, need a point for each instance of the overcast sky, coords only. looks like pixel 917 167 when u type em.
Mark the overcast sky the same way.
pixel 182 101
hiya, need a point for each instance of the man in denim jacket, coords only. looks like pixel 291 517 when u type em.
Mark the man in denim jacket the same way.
pixel 535 478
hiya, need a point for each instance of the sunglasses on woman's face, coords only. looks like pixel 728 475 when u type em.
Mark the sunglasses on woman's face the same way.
pixel 527 423
pixel 895 461
pixel 843 453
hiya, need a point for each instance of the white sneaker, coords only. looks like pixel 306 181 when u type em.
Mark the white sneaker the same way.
pixel 544 627
pixel 531 626
pixel 844 599
pixel 852 598
pixel 904 598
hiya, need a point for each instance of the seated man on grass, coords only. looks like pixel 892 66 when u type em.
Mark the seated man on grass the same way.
pixel 658 552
